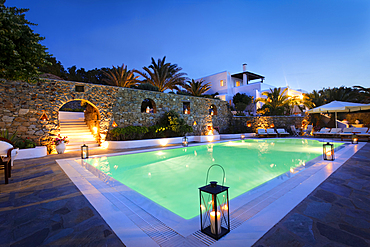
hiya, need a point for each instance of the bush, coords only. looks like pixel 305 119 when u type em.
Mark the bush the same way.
pixel 23 144
pixel 128 133
pixel 173 125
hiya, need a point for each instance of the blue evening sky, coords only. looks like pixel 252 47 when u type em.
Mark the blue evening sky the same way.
pixel 305 44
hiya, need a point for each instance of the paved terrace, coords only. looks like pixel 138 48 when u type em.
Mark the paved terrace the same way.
pixel 42 207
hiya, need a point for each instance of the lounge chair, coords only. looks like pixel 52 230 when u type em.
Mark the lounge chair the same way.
pixel 334 132
pixel 262 133
pixel 282 132
pixel 347 134
pixel 6 148
pixel 271 132
pixel 323 131
pixel 308 131
pixel 364 135
pixel 294 131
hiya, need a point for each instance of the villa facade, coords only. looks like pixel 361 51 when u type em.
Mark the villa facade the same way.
pixel 251 84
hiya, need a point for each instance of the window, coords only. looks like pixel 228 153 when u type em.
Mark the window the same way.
pixel 237 84
pixel 79 89
pixel 186 107
pixel 222 83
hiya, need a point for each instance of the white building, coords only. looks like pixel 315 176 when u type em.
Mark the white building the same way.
pixel 227 85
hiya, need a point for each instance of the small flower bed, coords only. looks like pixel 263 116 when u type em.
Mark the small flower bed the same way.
pixel 58 140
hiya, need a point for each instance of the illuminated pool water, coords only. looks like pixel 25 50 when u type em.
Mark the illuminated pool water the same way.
pixel 172 177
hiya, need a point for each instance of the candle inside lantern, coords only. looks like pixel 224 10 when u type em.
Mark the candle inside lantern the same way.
pixel 328 155
pixel 213 222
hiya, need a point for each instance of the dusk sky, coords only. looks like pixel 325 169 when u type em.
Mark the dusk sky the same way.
pixel 303 44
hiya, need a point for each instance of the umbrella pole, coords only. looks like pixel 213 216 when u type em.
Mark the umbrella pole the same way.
pixel 336 124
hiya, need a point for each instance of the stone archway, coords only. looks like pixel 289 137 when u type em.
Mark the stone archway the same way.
pixel 85 110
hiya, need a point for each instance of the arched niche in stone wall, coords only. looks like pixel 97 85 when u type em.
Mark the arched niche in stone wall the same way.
pixel 148 106
pixel 212 110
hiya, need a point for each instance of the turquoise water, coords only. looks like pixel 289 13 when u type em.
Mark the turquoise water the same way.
pixel 172 177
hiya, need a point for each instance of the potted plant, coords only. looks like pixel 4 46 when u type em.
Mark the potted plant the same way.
pixel 60 143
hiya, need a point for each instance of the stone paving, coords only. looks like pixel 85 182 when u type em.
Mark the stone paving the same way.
pixel 337 213
pixel 42 207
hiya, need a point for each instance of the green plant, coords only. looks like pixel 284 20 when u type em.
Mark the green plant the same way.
pixel 128 133
pixel 4 133
pixel 24 143
pixel 174 125
pixel 21 53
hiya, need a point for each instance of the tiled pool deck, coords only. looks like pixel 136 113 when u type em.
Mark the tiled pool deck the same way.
pixel 42 207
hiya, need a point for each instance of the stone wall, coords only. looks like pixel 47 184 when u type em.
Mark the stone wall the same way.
pixel 22 105
pixel 240 124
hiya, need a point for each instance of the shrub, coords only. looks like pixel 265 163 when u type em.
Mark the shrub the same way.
pixel 174 125
pixel 128 133
pixel 24 143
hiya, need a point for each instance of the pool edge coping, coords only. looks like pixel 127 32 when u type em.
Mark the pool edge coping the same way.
pixel 99 201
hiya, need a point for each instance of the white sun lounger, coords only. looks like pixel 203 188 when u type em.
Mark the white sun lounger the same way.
pixel 282 132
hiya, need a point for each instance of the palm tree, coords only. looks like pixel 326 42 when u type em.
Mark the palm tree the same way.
pixel 121 77
pixel 163 75
pixel 276 103
pixel 196 88
pixel 302 102
pixel 316 98
pixel 364 94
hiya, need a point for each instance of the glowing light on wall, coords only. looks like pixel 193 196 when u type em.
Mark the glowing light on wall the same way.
pixel 104 145
pixel 95 130
pixel 163 142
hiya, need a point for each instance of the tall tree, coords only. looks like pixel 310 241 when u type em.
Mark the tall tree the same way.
pixel 275 103
pixel 21 54
pixel 196 88
pixel 163 75
pixel 121 77
pixel 364 94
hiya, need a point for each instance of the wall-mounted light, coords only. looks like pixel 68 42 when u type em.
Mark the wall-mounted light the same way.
pixel 44 117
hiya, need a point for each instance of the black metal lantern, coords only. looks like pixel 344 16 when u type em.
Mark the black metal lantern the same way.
pixel 214 208
pixel 185 141
pixel 354 139
pixel 84 152
pixel 328 151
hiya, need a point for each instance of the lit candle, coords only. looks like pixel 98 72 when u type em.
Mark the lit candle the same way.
pixel 328 155
pixel 213 222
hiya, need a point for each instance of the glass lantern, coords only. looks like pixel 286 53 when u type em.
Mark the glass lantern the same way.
pixel 354 139
pixel 242 137
pixel 214 209
pixel 328 151
pixel 185 141
pixel 84 151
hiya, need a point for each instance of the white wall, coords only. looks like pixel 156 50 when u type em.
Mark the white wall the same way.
pixel 215 82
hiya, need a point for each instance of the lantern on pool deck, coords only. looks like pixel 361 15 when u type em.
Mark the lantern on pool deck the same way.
pixel 354 139
pixel 328 151
pixel 84 152
pixel 242 137
pixel 214 208
pixel 185 141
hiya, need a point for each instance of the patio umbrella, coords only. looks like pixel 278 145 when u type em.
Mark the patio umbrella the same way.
pixel 339 106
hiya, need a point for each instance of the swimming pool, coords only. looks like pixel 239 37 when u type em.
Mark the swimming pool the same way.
pixel 171 178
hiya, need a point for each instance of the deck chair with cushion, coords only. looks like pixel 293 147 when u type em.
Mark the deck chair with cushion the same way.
pixel 322 131
pixel 6 148
pixel 282 132
pixel 365 135
pixel 261 133
pixel 334 132
pixel 346 133
pixel 271 132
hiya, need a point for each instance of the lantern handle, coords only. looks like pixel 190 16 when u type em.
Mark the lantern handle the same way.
pixel 223 179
